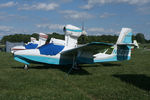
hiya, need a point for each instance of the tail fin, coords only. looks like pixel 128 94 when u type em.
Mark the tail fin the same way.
pixel 125 36
pixel 122 49
pixel 42 38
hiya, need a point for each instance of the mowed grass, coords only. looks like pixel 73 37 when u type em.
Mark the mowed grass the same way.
pixel 127 80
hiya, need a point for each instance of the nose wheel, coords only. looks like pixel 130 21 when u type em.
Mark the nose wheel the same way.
pixel 25 67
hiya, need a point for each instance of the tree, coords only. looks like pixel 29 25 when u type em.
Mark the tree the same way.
pixel 140 38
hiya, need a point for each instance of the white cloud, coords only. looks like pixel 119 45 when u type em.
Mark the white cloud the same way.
pixel 8 4
pixel 148 23
pixel 5 28
pixel 106 15
pixel 91 3
pixel 1 34
pixel 144 10
pixel 66 0
pixel 50 26
pixel 100 30
pixel 40 6
pixel 96 29
pixel 88 6
pixel 76 14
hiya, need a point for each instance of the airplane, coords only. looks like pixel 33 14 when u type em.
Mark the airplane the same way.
pixel 68 52
pixel 33 44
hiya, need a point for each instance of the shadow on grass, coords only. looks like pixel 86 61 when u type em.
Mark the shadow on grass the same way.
pixel 141 81
pixel 104 64
pixel 110 64
pixel 62 68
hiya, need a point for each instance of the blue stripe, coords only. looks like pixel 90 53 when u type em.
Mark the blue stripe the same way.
pixel 74 30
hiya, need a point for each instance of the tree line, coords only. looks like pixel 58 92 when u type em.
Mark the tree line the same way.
pixel 82 40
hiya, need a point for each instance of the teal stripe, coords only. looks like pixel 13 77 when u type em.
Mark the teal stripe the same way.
pixel 106 60
pixel 128 38
pixel 27 58
pixel 74 30
pixel 21 60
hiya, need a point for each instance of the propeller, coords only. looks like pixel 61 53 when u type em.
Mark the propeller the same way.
pixel 84 33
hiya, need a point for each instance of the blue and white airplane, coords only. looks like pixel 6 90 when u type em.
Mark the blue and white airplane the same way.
pixel 67 52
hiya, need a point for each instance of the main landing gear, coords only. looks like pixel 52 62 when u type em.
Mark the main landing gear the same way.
pixel 74 66
pixel 25 67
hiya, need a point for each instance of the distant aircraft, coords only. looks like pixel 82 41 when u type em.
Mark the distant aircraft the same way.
pixel 67 52
pixel 33 44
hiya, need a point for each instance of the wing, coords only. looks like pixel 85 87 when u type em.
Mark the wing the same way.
pixel 127 44
pixel 92 48
pixel 83 54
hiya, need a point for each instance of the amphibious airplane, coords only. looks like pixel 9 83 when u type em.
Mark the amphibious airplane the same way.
pixel 67 52
pixel 33 44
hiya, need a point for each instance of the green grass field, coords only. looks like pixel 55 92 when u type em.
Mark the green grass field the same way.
pixel 127 80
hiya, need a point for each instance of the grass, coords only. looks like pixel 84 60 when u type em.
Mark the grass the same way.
pixel 127 80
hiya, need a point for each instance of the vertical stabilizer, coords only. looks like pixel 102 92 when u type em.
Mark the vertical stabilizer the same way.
pixel 42 38
pixel 122 49
pixel 125 36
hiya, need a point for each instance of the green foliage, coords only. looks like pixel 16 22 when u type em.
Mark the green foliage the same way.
pixel 103 38
pixel 35 35
pixel 26 37
pixel 147 41
pixel 16 38
pixel 82 40
pixel 140 38
pixel 55 35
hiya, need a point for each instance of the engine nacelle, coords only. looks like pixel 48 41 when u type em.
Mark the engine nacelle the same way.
pixel 72 31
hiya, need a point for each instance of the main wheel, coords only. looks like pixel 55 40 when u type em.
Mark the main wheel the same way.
pixel 25 67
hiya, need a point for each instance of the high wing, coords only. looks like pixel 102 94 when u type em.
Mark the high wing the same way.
pixel 92 48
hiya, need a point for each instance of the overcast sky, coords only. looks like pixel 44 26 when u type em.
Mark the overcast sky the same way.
pixel 99 16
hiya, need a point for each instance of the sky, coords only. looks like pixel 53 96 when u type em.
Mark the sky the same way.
pixel 98 16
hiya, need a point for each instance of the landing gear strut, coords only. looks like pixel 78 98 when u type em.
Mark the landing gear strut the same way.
pixel 74 65
pixel 25 67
